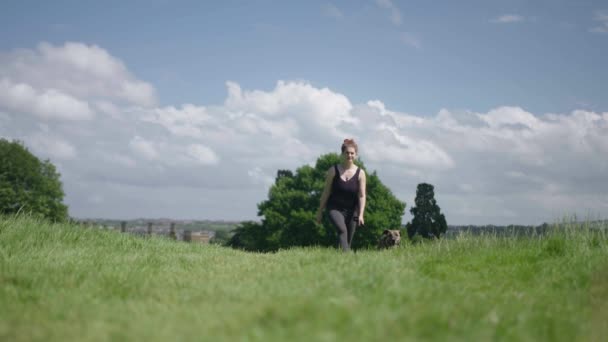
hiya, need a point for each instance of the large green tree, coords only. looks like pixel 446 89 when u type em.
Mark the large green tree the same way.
pixel 428 221
pixel 28 184
pixel 288 215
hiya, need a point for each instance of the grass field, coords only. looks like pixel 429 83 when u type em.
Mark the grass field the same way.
pixel 61 282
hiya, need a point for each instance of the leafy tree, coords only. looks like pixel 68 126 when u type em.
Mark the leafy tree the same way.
pixel 428 220
pixel 288 215
pixel 28 184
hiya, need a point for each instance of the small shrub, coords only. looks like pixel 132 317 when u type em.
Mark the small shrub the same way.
pixel 555 246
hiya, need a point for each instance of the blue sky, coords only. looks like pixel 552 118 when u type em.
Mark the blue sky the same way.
pixel 488 66
pixel 547 62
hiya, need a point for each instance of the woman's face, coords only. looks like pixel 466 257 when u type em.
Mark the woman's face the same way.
pixel 349 154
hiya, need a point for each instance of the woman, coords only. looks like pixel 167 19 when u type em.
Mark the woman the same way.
pixel 344 195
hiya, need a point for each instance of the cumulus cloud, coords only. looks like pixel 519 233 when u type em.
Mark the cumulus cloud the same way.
pixel 506 165
pixel 76 70
pixel 116 159
pixel 185 121
pixel 504 160
pixel 260 177
pixel 47 104
pixel 144 148
pixel 510 117
pixel 49 146
pixel 320 112
pixel 507 19
pixel 202 154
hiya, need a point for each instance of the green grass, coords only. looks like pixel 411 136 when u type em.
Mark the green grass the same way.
pixel 62 282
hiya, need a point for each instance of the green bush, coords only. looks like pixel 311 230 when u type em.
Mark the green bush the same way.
pixel 28 185
pixel 288 215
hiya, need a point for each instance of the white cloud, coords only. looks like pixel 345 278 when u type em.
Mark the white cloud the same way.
pixel 395 13
pixel 49 146
pixel 118 159
pixel 507 19
pixel 108 108
pixel 315 110
pixel 181 122
pixel 76 70
pixel 330 10
pixel 392 138
pixel 202 154
pixel 509 116
pixel 387 145
pixel 602 25
pixel 507 165
pixel 260 177
pixel 83 58
pixel 48 104
pixel 142 147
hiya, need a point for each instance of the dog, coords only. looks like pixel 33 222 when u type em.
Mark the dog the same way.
pixel 390 238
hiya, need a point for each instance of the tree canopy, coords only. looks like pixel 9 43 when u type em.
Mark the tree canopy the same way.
pixel 428 221
pixel 288 215
pixel 28 184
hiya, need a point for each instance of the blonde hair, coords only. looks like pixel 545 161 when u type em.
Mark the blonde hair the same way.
pixel 349 143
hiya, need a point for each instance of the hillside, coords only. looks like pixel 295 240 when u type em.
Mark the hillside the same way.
pixel 64 282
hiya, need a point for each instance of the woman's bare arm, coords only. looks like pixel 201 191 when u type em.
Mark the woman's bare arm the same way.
pixel 362 195
pixel 326 192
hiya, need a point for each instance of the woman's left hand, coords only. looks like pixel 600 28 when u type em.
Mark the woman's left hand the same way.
pixel 361 221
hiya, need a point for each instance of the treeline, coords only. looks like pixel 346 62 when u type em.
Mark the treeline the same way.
pixel 219 231
pixel 509 230
pixel 193 225
pixel 522 230
pixel 288 215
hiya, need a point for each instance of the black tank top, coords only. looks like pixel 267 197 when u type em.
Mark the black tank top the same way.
pixel 344 194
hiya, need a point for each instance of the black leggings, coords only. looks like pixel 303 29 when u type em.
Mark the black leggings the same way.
pixel 345 223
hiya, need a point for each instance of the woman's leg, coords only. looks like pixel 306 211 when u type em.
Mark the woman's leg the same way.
pixel 339 221
pixel 351 226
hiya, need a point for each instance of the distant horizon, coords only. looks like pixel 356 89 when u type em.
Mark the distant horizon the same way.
pixel 403 223
pixel 154 219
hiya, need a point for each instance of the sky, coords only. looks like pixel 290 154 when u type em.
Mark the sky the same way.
pixel 187 109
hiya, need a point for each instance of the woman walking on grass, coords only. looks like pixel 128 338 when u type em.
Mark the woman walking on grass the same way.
pixel 344 195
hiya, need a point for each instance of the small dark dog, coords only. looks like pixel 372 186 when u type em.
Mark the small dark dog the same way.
pixel 390 238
